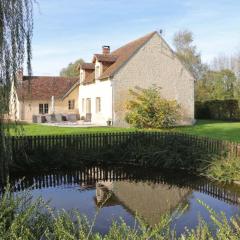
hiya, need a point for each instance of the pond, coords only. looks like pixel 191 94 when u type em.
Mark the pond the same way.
pixel 114 193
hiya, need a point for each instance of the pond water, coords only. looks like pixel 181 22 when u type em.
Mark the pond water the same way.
pixel 114 193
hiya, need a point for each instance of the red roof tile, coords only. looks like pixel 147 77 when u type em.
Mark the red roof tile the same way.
pixel 105 58
pixel 89 66
pixel 44 87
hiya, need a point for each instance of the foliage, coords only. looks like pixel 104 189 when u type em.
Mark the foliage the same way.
pixel 72 69
pixel 232 63
pixel 148 109
pixel 222 83
pixel 218 110
pixel 20 217
pixel 23 218
pixel 187 53
pixel 167 150
pixel 217 85
pixel 16 26
pixel 224 170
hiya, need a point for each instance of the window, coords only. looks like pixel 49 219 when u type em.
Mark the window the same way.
pixel 43 108
pixel 88 105
pixel 71 104
pixel 83 105
pixel 98 104
pixel 40 108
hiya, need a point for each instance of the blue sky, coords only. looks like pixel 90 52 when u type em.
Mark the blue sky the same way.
pixel 65 30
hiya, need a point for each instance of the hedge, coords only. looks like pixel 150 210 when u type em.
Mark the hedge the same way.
pixel 218 110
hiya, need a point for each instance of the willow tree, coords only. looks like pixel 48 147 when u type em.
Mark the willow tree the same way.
pixel 16 27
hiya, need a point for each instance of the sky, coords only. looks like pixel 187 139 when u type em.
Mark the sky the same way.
pixel 66 30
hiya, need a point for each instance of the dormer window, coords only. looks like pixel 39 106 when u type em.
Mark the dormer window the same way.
pixel 86 69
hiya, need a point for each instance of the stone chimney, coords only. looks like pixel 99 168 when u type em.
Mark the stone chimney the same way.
pixel 106 50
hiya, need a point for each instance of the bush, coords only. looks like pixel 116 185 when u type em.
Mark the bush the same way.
pixel 148 109
pixel 224 170
pixel 218 109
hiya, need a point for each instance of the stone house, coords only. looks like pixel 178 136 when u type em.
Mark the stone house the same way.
pixel 43 95
pixel 105 82
pixel 101 91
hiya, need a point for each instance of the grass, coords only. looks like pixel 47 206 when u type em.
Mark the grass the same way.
pixel 213 129
pixel 40 130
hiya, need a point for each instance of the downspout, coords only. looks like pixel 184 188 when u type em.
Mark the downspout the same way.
pixel 111 79
pixel 53 105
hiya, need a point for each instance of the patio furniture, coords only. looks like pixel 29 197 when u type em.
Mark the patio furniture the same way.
pixel 88 117
pixel 58 117
pixel 50 118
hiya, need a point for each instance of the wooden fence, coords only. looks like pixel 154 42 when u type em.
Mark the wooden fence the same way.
pixel 98 141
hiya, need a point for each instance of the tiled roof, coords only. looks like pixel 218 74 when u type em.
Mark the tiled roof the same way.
pixel 44 87
pixel 122 55
pixel 89 66
pixel 105 57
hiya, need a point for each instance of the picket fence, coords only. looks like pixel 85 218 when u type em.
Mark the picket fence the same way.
pixel 97 141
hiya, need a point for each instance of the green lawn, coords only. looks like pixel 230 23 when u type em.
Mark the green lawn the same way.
pixel 214 129
pixel 37 130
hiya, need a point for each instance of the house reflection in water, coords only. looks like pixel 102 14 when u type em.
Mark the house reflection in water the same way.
pixel 146 199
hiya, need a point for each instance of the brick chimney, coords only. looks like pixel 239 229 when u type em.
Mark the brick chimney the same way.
pixel 106 50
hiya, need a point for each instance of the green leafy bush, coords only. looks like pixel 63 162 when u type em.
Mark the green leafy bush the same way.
pixel 147 109
pixel 224 170
pixel 218 109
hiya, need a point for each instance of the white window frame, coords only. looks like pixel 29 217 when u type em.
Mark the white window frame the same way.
pixel 98 104
pixel 83 105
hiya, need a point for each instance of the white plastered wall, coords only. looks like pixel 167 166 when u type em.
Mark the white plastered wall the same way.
pixel 103 90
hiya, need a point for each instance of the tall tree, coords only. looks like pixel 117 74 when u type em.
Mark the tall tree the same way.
pixel 216 85
pixel 222 62
pixel 16 26
pixel 187 53
pixel 72 69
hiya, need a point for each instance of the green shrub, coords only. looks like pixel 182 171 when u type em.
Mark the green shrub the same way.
pixel 224 170
pixel 218 110
pixel 147 109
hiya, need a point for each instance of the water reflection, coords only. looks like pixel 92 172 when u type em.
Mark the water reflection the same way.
pixel 125 192
pixel 149 200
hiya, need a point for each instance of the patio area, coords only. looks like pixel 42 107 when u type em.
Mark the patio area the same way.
pixel 77 124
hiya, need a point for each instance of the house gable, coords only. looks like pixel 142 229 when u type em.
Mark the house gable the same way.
pixel 154 64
